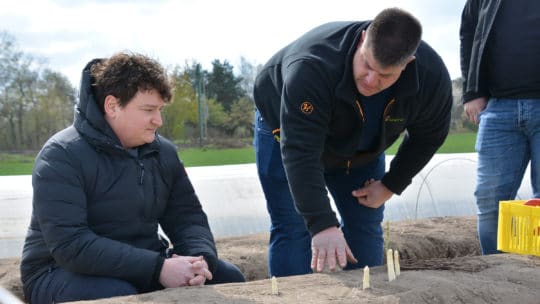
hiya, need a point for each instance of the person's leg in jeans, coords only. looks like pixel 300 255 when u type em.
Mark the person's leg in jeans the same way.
pixel 289 251
pixel 503 154
pixel 360 225
pixel 59 285
pixel 533 133
pixel 226 272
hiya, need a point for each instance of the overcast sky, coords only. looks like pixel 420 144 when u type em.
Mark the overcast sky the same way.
pixel 68 33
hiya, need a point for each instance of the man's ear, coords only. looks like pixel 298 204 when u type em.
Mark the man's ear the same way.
pixel 110 105
pixel 409 60
pixel 362 39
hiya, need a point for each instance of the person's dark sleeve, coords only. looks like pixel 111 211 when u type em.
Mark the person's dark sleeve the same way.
pixel 426 133
pixel 157 273
pixel 184 220
pixel 469 21
pixel 302 143
pixel 59 203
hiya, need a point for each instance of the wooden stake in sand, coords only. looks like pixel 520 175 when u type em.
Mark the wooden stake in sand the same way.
pixel 390 265
pixel 397 267
pixel 275 290
pixel 365 281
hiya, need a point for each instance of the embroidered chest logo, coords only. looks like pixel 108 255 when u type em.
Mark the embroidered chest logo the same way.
pixel 393 119
pixel 306 107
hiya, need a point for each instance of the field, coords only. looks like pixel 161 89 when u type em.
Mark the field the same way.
pixel 15 164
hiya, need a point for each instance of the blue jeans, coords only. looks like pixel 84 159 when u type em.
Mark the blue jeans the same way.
pixel 290 241
pixel 508 137
pixel 59 285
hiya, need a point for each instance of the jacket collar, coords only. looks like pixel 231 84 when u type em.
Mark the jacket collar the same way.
pixel 408 83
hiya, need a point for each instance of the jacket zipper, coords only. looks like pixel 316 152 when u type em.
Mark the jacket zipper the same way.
pixel 362 116
pixel 361 111
pixel 141 177
pixel 387 107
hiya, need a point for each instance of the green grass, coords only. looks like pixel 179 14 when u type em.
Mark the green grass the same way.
pixel 15 164
pixel 213 157
pixel 455 143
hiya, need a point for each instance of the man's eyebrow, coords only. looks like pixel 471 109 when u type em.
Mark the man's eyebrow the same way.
pixel 369 67
pixel 150 106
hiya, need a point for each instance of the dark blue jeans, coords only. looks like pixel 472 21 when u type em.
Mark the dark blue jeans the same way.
pixel 290 242
pixel 508 138
pixel 59 285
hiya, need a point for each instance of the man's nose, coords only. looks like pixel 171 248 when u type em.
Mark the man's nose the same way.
pixel 157 119
pixel 371 78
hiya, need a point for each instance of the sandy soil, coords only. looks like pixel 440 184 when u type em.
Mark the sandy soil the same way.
pixel 439 258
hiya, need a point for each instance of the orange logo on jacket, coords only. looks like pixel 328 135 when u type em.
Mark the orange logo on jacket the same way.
pixel 306 107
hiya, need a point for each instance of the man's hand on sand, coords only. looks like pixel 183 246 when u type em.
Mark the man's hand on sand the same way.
pixel 373 195
pixel 328 245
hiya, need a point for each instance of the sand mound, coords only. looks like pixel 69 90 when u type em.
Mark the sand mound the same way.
pixel 440 264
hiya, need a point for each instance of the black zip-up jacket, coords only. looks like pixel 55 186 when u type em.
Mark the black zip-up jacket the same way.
pixel 96 208
pixel 476 21
pixel 306 92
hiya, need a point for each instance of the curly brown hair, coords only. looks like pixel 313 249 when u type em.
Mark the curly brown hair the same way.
pixel 124 74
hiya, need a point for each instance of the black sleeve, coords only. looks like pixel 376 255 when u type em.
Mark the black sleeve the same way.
pixel 426 133
pixel 302 142
pixel 184 220
pixel 469 22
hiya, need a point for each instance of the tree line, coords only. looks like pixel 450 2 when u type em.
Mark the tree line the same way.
pixel 210 107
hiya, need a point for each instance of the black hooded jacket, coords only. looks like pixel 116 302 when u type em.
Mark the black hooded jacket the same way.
pixel 96 208
pixel 307 92
pixel 476 21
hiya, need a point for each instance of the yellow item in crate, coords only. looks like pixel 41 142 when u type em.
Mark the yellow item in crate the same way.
pixel 519 227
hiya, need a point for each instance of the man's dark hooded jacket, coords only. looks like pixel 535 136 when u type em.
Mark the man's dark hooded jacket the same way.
pixel 96 208
pixel 307 93
pixel 476 21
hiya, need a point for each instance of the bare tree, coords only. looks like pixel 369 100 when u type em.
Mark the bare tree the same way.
pixel 248 73
pixel 33 103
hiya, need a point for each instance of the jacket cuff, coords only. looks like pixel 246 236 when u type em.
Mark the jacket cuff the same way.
pixel 157 272
pixel 319 223
pixel 472 95
pixel 212 261
pixel 394 183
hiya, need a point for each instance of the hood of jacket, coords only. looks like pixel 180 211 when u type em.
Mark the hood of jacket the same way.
pixel 90 121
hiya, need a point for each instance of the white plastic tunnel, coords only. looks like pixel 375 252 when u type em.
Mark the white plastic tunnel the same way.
pixel 234 202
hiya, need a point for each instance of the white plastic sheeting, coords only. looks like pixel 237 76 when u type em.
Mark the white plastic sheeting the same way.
pixel 234 202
